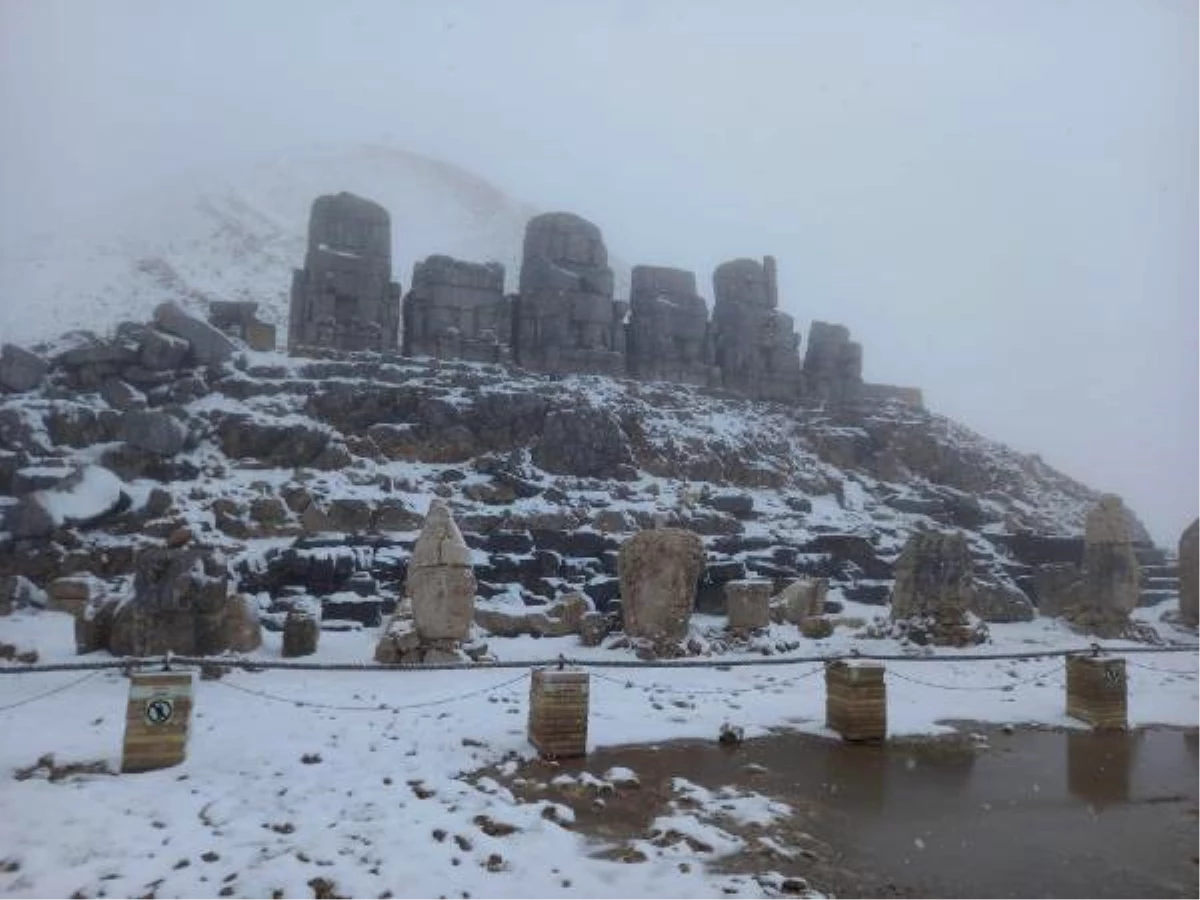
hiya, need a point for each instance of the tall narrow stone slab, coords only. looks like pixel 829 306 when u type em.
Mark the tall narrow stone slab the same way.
pixel 441 582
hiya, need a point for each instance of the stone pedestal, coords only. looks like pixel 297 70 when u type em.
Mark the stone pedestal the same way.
pixel 156 720
pixel 558 712
pixel 748 605
pixel 1097 691
pixel 856 700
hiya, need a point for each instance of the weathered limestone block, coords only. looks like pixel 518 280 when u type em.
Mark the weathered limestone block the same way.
pixel 560 617
pixel 1111 575
pixel 757 348
pixel 565 318
pixel 398 643
pixel 832 365
pixel 441 582
pixel 800 600
pixel 1000 603
pixel 73 593
pixel 457 310
pixel 302 629
pixel 240 318
pixel 180 603
pixel 1189 560
pixel 934 586
pixel 21 370
pixel 659 570
pixel 208 346
pixel 344 297
pixel 748 604
pixel 668 333
pixel 153 431
pixel 587 441
pixel 161 352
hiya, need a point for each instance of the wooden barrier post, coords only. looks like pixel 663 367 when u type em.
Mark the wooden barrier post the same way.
pixel 558 712
pixel 856 700
pixel 1097 691
pixel 156 720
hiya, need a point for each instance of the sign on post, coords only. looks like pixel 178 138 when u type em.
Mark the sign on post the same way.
pixel 156 720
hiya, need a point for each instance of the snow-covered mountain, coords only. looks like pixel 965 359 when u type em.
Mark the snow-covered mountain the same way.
pixel 235 233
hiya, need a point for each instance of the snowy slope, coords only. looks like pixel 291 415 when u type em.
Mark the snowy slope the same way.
pixel 237 231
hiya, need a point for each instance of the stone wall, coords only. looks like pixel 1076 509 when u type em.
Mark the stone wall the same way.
pixel 344 297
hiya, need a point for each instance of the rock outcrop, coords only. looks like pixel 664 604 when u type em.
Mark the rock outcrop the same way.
pixel 566 319
pixel 587 441
pixel 441 583
pixel 659 570
pixel 1189 560
pixel 668 334
pixel 934 588
pixel 457 310
pixel 757 347
pixel 21 370
pixel 344 297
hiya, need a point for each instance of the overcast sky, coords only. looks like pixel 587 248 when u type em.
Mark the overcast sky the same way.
pixel 998 198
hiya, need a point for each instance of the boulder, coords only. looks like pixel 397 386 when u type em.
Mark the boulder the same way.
pixel 302 629
pixel 242 627
pixel 739 505
pixel 441 583
pixel 399 643
pixel 659 570
pixel 153 431
pixel 21 370
pixel 935 586
pixel 585 441
pixel 1189 560
pixel 160 352
pixel 556 619
pixel 208 345
pixel 748 604
pixel 84 497
pixel 1111 575
pixel 1000 603
pixel 800 600
pixel 17 591
pixel 179 604
pixel 121 395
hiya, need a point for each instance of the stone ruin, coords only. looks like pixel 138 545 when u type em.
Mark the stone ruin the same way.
pixel 659 570
pixel 934 589
pixel 457 310
pixel 566 319
pixel 240 318
pixel 344 297
pixel 833 365
pixel 757 347
pixel 668 336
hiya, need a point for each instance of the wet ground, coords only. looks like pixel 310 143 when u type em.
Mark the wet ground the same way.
pixel 983 813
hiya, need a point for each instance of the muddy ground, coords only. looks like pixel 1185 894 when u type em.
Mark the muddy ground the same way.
pixel 984 812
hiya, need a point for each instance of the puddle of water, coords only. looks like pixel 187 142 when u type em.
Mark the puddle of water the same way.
pixel 1035 813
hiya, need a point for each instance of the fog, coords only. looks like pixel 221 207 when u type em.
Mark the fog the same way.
pixel 999 199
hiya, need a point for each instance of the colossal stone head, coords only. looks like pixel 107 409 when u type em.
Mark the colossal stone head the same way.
pixel 348 224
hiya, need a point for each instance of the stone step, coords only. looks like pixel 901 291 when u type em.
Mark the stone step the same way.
pixel 1160 584
pixel 1167 571
pixel 1155 597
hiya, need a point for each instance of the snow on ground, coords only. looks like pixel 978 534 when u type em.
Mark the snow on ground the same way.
pixel 362 786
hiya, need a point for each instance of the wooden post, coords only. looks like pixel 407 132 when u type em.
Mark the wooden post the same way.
pixel 856 700
pixel 1097 691
pixel 156 720
pixel 558 712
